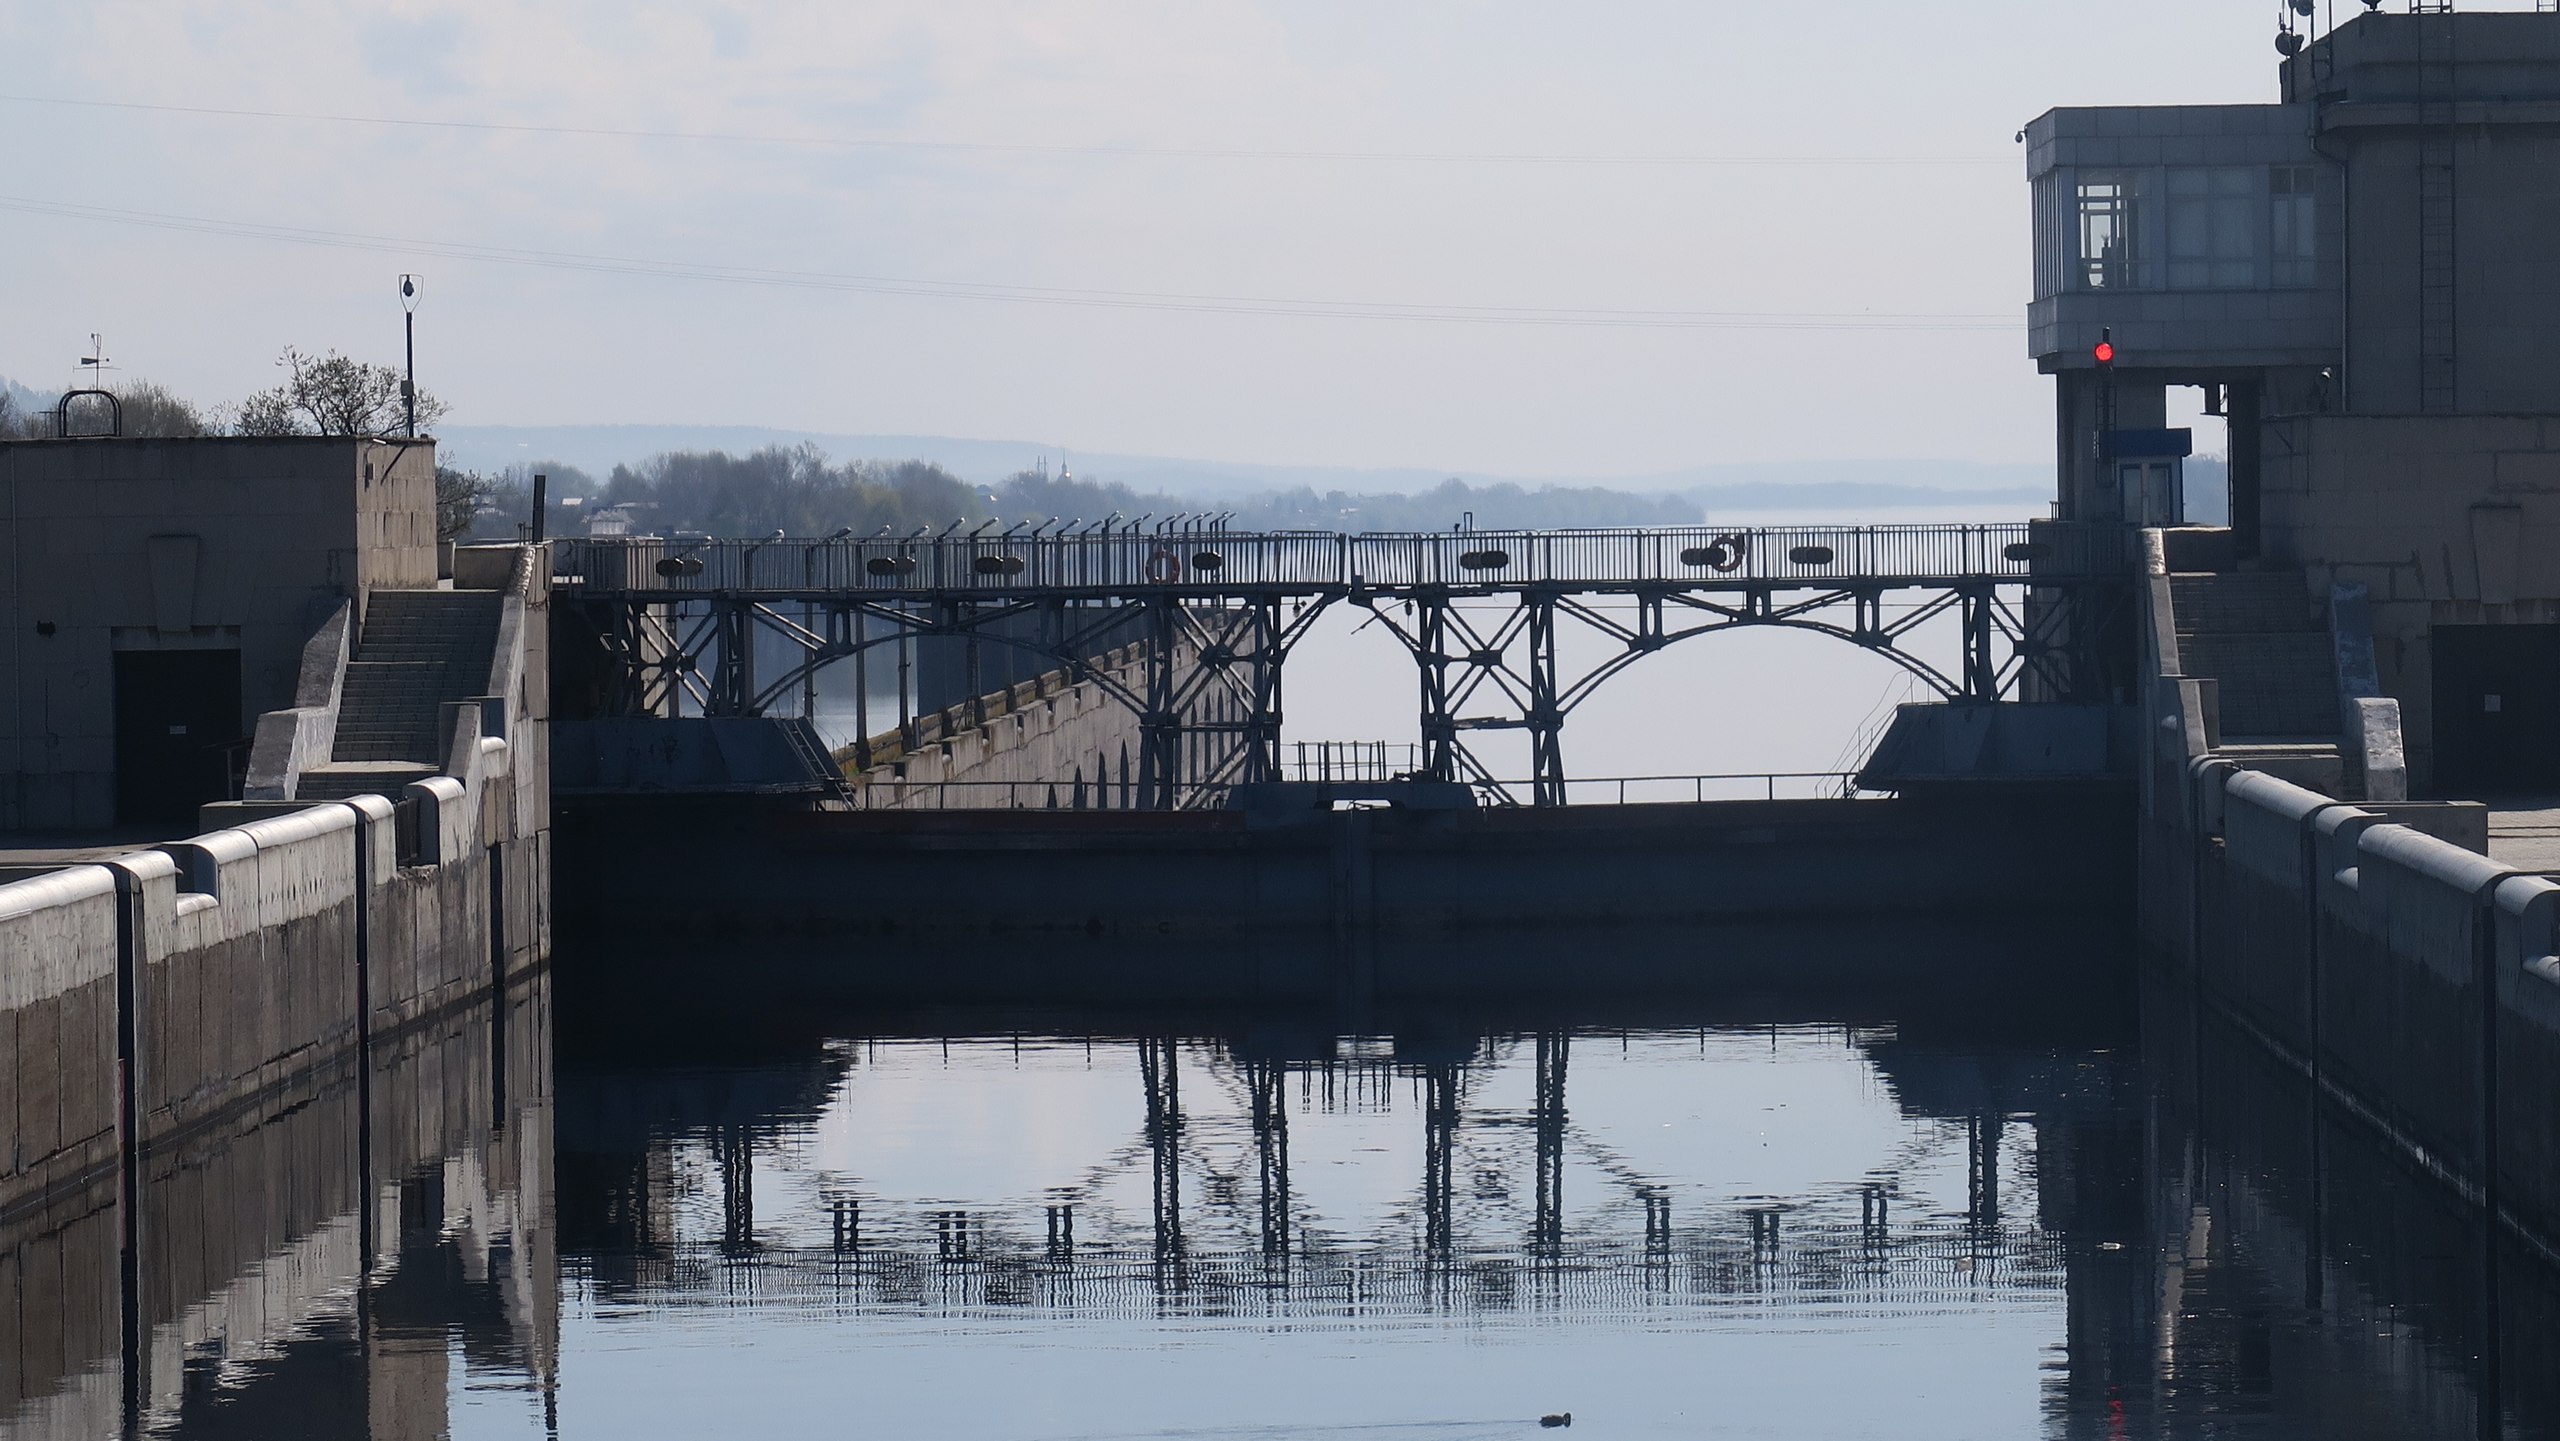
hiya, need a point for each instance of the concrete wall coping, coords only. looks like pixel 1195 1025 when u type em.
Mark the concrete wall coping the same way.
pixel 57 933
pixel 2435 860
pixel 2529 911
pixel 2282 797
pixel 144 865
pixel 60 888
pixel 2336 847
pixel 322 819
pixel 201 858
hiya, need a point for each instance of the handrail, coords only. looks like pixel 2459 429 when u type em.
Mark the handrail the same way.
pixel 885 794
pixel 1304 562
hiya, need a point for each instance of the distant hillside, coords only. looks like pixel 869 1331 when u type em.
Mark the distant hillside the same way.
pixel 26 398
pixel 597 449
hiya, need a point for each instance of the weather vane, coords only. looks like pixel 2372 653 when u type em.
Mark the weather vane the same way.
pixel 97 361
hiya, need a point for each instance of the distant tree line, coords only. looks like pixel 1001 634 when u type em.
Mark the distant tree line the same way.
pixel 327 394
pixel 799 492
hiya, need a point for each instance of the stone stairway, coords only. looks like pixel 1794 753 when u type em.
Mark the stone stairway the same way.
pixel 419 649
pixel 2257 635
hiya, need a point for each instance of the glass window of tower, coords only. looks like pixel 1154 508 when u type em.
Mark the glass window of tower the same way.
pixel 2213 228
pixel 2111 255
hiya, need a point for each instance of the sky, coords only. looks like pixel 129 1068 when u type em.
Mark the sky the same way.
pixel 1616 237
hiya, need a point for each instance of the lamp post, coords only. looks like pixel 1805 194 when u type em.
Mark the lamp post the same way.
pixel 409 334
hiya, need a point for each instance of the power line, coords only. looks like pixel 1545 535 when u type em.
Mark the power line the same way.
pixel 1161 152
pixel 1597 317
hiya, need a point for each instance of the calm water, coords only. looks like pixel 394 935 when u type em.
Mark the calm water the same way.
pixel 1081 1227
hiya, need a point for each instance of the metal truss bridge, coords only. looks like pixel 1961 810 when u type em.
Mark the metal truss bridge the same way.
pixel 1480 612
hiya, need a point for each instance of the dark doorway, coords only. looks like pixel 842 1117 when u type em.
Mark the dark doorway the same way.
pixel 2497 700
pixel 177 730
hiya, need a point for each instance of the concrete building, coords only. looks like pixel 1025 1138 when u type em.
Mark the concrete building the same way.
pixel 2364 277
pixel 157 596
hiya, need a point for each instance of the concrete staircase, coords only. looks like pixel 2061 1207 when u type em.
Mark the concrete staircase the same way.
pixel 2257 634
pixel 419 649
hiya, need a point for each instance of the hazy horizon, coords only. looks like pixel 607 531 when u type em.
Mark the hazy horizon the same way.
pixel 1474 239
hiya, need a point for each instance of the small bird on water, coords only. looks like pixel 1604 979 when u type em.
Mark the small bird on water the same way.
pixel 1556 1418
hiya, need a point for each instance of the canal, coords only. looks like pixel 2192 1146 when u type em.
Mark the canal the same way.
pixel 1763 1217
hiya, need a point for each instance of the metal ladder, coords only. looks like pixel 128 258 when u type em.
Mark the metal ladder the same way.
pixel 801 734
pixel 2436 196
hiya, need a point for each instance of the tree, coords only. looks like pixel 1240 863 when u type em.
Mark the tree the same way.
pixel 151 410
pixel 333 395
pixel 459 496
pixel 148 411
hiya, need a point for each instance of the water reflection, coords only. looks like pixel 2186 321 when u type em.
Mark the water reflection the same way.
pixel 359 1256
pixel 1084 1226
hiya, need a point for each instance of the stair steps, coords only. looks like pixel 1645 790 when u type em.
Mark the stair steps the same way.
pixel 2258 636
pixel 419 649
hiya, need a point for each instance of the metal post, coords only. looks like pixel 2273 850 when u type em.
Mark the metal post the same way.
pixel 1439 728
pixel 861 689
pixel 1546 722
pixel 1262 759
pixel 808 660
pixel 906 643
pixel 409 341
pixel 734 692
pixel 977 675
pixel 1160 742
pixel 1981 671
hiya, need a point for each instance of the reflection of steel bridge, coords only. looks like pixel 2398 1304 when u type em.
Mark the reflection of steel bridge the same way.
pixel 1481 613
pixel 1757 1260
pixel 1233 1239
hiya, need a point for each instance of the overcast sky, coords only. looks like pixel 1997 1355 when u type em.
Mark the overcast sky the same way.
pixel 1326 160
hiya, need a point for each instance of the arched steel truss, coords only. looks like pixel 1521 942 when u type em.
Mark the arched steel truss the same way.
pixel 700 656
pixel 1477 673
pixel 2041 608
pixel 1508 674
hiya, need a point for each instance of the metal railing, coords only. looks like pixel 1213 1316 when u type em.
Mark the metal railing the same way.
pixel 1213 562
pixel 1595 790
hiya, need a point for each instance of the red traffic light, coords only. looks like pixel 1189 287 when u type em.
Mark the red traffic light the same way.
pixel 2105 351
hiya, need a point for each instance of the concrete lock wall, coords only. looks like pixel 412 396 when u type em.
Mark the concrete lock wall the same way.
pixel 2414 980
pixel 252 957
pixel 1222 905
pixel 1044 742
pixel 57 1030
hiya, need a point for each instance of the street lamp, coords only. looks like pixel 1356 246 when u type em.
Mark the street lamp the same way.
pixel 409 329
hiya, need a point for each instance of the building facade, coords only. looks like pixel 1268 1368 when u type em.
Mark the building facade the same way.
pixel 157 596
pixel 2364 277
